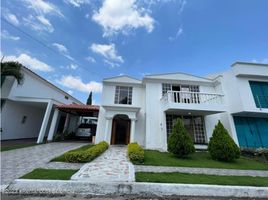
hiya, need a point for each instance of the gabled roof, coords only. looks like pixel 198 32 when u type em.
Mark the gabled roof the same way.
pixel 177 76
pixel 32 73
pixel 122 79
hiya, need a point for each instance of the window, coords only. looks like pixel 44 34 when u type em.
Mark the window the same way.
pixel 165 87
pixel 193 124
pixel 123 95
pixel 260 93
pixel 184 88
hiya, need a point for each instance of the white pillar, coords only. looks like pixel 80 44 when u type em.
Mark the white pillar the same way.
pixel 44 123
pixel 53 125
pixel 66 123
pixel 107 129
pixel 132 130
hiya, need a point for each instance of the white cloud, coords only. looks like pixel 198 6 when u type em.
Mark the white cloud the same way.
pixel 90 59
pixel 122 16
pixel 76 3
pixel 107 51
pixel 70 92
pixel 264 61
pixel 73 66
pixel 11 17
pixel 178 33
pixel 6 35
pixel 76 83
pixel 111 64
pixel 39 23
pixel 28 61
pixel 43 7
pixel 61 48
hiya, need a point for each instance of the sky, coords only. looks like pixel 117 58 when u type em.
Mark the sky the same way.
pixel 75 44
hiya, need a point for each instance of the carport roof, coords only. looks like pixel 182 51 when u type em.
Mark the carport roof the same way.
pixel 80 110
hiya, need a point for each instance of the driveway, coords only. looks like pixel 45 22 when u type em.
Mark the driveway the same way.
pixel 16 163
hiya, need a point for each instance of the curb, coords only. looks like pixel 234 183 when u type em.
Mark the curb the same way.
pixel 27 186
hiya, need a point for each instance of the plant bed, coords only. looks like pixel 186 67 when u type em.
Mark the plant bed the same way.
pixel 200 179
pixel 50 174
pixel 200 159
pixel 83 156
pixel 62 158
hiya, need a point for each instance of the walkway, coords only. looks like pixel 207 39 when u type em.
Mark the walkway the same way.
pixel 111 166
pixel 16 163
pixel 210 171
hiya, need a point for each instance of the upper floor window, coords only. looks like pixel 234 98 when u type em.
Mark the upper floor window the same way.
pixel 123 95
pixel 179 88
pixel 260 93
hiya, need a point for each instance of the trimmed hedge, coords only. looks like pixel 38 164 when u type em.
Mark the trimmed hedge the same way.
pixel 221 146
pixel 180 142
pixel 135 153
pixel 88 155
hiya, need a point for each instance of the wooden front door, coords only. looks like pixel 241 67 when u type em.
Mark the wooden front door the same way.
pixel 120 131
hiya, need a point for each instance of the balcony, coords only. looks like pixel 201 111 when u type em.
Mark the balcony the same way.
pixel 197 103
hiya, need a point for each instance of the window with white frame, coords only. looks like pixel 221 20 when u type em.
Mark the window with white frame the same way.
pixel 123 95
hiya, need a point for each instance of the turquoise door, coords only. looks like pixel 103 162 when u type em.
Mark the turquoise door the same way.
pixel 260 93
pixel 252 132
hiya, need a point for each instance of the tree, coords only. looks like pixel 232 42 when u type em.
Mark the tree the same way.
pixel 179 142
pixel 11 68
pixel 89 99
pixel 221 146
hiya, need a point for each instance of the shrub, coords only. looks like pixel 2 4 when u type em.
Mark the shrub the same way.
pixel 221 146
pixel 135 153
pixel 88 155
pixel 179 142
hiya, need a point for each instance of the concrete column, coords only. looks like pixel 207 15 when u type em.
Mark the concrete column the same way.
pixel 66 123
pixel 53 125
pixel 107 129
pixel 42 131
pixel 132 130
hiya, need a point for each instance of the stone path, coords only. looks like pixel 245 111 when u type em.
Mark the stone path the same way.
pixel 16 163
pixel 210 171
pixel 111 166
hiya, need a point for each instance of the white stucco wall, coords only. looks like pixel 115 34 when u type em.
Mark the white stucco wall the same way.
pixel 12 126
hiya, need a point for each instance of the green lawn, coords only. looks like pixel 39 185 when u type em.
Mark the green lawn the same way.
pixel 61 158
pixel 50 174
pixel 17 146
pixel 200 179
pixel 200 159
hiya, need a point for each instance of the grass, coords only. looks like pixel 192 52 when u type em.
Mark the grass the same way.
pixel 201 159
pixel 61 158
pixel 200 179
pixel 50 174
pixel 17 146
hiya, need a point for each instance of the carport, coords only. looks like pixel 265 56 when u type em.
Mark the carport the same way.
pixel 68 117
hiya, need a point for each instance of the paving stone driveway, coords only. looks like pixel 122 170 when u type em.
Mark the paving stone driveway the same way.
pixel 112 166
pixel 16 163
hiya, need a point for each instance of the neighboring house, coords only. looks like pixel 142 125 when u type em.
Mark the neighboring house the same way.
pixel 144 111
pixel 27 109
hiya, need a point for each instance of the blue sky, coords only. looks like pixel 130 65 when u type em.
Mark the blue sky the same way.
pixel 76 43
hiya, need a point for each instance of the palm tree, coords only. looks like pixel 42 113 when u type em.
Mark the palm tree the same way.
pixel 11 68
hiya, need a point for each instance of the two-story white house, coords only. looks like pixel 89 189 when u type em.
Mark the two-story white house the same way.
pixel 144 111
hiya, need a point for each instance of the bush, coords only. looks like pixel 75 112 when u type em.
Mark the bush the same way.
pixel 135 153
pixel 221 146
pixel 88 155
pixel 179 142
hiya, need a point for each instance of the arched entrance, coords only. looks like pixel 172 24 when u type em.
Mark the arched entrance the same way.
pixel 120 130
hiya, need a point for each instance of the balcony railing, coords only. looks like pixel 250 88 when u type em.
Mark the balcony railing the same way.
pixel 261 101
pixel 192 97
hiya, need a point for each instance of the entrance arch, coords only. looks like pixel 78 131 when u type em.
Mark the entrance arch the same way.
pixel 120 130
